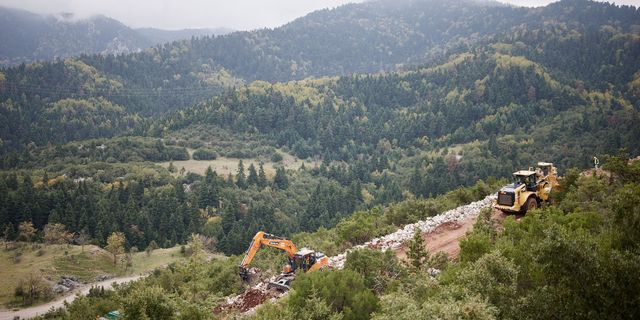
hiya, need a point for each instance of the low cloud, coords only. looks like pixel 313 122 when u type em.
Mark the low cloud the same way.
pixel 173 14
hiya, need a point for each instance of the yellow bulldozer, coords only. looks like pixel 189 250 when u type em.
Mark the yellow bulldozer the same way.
pixel 529 189
pixel 304 259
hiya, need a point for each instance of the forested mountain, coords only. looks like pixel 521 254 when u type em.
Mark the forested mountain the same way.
pixel 368 37
pixel 399 109
pixel 559 83
pixel 559 92
pixel 28 37
pixel 388 35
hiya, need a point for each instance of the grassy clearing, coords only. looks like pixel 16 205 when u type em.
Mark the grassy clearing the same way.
pixel 159 258
pixel 224 165
pixel 54 261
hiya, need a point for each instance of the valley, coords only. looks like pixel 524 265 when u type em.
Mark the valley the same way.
pixel 372 132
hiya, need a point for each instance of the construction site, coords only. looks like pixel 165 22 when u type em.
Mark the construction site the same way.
pixel 440 233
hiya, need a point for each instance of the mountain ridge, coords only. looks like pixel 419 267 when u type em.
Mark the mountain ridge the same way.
pixel 576 41
pixel 30 37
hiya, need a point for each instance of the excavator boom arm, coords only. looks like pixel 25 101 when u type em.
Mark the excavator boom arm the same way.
pixel 265 239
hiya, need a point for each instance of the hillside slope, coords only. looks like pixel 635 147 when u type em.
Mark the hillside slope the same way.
pixel 591 44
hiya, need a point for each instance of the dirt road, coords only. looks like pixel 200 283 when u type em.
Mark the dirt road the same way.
pixel 445 238
pixel 31 312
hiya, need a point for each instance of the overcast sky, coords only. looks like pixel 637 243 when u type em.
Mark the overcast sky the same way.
pixel 178 14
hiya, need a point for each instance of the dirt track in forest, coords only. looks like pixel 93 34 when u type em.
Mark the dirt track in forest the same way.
pixel 446 237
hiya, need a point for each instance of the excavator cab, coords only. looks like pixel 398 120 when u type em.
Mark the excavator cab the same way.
pixel 304 259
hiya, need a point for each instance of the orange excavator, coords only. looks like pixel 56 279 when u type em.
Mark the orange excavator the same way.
pixel 304 259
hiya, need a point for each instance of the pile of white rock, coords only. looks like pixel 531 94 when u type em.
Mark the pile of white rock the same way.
pixel 66 283
pixel 395 240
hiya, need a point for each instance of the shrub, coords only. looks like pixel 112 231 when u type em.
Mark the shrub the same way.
pixel 276 157
pixel 205 154
pixel 361 227
pixel 474 246
pixel 149 303
pixel 343 291
pixel 376 267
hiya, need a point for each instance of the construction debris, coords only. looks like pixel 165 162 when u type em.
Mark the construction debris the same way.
pixel 249 299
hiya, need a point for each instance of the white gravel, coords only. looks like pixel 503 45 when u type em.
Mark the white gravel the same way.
pixel 396 239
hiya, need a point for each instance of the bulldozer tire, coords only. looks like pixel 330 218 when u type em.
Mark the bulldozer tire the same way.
pixel 531 204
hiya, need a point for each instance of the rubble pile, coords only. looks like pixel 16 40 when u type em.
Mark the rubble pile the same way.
pixel 395 240
pixel 249 299
pixel 66 284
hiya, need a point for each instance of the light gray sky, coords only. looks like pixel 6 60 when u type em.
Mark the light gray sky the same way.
pixel 178 14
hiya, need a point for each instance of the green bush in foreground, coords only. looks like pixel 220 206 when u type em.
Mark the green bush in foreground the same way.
pixel 343 291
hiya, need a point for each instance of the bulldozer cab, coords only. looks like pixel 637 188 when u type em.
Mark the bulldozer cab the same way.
pixel 526 177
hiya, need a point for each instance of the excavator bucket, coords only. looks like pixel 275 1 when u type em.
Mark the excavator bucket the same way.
pixel 282 283
pixel 249 275
pixel 280 286
pixel 244 274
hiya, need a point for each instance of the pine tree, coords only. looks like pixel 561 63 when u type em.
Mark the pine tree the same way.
pixel 415 181
pixel 280 180
pixel 252 179
pixel 241 178
pixel 45 180
pixel 262 177
pixel 208 191
pixel 229 181
pixel 417 253
pixel 8 233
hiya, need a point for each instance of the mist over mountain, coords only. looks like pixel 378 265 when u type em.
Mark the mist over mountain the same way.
pixel 157 36
pixel 27 37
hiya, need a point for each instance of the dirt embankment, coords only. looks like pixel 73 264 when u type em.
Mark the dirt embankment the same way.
pixel 250 299
pixel 445 238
